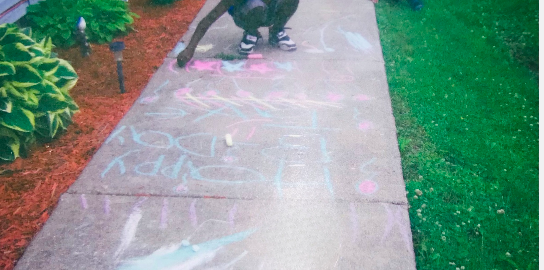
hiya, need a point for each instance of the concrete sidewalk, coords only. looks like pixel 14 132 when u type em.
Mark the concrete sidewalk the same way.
pixel 313 180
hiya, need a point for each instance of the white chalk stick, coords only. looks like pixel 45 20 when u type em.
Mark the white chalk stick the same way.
pixel 228 139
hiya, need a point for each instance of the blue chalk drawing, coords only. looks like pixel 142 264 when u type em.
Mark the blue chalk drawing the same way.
pixel 137 138
pixel 328 183
pixel 196 174
pixel 186 150
pixel 173 114
pixel 155 166
pixel 285 66
pixel 118 160
pixel 183 257
pixel 231 67
pixel 356 40
pixel 173 171
pixel 114 134
pixel 277 179
pixel 210 113
pixel 326 158
pixel 180 46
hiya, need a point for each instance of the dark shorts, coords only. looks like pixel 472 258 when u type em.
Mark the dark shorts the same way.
pixel 252 14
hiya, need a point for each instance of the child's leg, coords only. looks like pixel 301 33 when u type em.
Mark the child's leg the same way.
pixel 250 16
pixel 280 12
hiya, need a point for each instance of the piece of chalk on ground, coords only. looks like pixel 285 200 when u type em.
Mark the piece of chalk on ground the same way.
pixel 255 56
pixel 228 139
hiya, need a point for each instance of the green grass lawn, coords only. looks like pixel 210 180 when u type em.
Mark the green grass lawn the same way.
pixel 464 85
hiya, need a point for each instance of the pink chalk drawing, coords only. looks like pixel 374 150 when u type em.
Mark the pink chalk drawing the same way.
pixel 243 94
pixel 203 65
pixel 107 208
pixel 84 202
pixel 301 96
pixel 232 212
pixel 261 68
pixel 365 125
pixel 251 133
pixel 192 214
pixel 335 97
pixel 148 100
pixel 230 159
pixel 368 187
pixel 164 215
pixel 312 49
pixel 180 93
pixel 181 188
pixel 171 65
pixel 362 97
pixel 276 95
pixel 397 218
pixel 354 221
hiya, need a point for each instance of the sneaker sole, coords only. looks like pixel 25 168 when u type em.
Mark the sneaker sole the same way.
pixel 284 47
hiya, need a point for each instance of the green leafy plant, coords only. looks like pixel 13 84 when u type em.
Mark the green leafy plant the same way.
pixel 57 19
pixel 34 86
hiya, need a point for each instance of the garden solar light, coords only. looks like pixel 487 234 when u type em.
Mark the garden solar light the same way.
pixel 117 49
pixel 81 38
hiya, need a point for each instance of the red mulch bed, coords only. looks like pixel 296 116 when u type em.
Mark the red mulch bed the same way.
pixel 31 187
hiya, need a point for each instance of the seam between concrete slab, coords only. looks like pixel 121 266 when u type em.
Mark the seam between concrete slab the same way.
pixel 232 198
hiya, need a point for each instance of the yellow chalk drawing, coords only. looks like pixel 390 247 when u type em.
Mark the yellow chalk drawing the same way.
pixel 204 48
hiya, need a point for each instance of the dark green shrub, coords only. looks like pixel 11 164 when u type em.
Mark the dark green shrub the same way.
pixel 57 19
pixel 34 99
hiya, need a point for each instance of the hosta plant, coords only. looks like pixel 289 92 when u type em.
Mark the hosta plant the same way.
pixel 34 86
pixel 57 19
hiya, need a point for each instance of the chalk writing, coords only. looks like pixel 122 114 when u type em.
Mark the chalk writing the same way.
pixel 184 257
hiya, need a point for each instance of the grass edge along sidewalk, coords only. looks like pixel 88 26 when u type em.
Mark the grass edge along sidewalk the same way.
pixel 467 120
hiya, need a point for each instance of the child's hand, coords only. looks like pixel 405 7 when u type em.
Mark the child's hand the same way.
pixel 374 1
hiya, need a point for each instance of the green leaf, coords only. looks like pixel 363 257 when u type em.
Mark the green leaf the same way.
pixel 5 104
pixel 49 66
pixel 52 103
pixel 50 88
pixel 27 31
pixel 66 118
pixel 65 70
pixel 66 85
pixel 9 144
pixel 47 46
pixel 15 93
pixel 16 52
pixel 71 103
pixel 3 30
pixel 17 38
pixel 65 34
pixel 25 76
pixel 37 51
pixel 19 119
pixel 48 125
pixel 6 68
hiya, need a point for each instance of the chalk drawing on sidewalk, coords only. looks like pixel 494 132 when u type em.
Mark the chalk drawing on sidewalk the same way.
pixel 396 217
pixel 367 186
pixel 129 231
pixel 203 48
pixel 311 48
pixel 355 40
pixel 362 124
pixel 180 256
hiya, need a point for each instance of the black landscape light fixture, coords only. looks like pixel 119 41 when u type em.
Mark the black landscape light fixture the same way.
pixel 81 37
pixel 117 48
